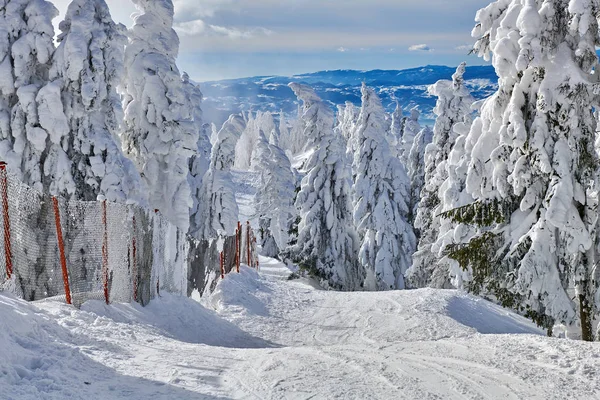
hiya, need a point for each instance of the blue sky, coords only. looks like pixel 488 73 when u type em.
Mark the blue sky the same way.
pixel 238 38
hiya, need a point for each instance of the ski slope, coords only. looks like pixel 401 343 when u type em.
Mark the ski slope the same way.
pixel 260 336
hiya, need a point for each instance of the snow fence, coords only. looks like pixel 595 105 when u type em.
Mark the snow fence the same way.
pixel 80 250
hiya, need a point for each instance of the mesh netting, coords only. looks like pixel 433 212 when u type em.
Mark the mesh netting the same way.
pixel 75 251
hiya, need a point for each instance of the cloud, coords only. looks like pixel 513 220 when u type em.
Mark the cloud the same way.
pixel 200 28
pixel 464 47
pixel 420 47
pixel 342 49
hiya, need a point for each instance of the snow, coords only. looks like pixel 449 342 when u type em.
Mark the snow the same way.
pixel 262 336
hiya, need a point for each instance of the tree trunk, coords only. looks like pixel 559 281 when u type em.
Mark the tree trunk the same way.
pixel 585 317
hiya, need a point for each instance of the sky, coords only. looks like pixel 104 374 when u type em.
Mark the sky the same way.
pixel 238 38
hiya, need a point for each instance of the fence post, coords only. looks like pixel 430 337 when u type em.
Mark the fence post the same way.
pixel 134 261
pixel 239 245
pixel 105 253
pixel 222 262
pixel 154 230
pixel 237 253
pixel 61 250
pixel 254 241
pixel 7 239
pixel 248 242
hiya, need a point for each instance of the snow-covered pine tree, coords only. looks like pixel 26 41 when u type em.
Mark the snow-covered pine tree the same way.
pixel 200 161
pixel 261 163
pixel 447 272
pixel 533 165
pixel 275 195
pixel 315 117
pixel 217 213
pixel 416 170
pixel 88 66
pixel 346 126
pixel 381 189
pixel 285 137
pixel 26 48
pixel 232 130
pixel 396 129
pixel 158 134
pixel 283 194
pixel 262 121
pixel 326 244
pixel 410 130
pixel 453 106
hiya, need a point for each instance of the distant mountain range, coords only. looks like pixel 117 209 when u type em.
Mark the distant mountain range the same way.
pixel 270 93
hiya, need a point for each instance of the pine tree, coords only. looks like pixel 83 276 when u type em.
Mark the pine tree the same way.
pixel 381 188
pixel 217 213
pixel 158 133
pixel 232 130
pixel 453 106
pixel 326 243
pixel 26 49
pixel 285 136
pixel 283 212
pixel 396 130
pixel 533 163
pixel 87 66
pixel 453 194
pixel 416 170
pixel 315 117
pixel 200 161
pixel 346 125
pixel 410 130
pixel 275 194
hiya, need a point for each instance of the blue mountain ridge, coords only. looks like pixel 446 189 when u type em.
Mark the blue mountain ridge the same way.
pixel 408 87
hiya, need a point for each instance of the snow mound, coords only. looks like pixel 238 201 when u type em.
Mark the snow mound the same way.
pixel 41 359
pixel 382 317
pixel 241 293
pixel 176 317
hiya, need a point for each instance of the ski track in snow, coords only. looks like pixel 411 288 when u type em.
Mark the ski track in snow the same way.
pixel 260 336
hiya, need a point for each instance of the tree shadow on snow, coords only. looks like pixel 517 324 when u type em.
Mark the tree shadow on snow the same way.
pixel 182 319
pixel 39 360
pixel 488 318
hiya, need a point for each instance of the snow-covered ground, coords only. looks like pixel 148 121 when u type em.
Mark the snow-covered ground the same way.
pixel 262 336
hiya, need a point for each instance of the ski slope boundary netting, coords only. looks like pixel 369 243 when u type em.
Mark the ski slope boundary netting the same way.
pixel 80 250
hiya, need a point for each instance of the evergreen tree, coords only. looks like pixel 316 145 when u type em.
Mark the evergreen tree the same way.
pixel 263 121
pixel 88 66
pixel 26 48
pixel 416 170
pixel 326 243
pixel 159 135
pixel 315 117
pixel 346 126
pixel 283 212
pixel 200 161
pixel 232 130
pixel 275 194
pixel 533 165
pixel 285 135
pixel 396 129
pixel 217 213
pixel 410 130
pixel 381 188
pixel 453 106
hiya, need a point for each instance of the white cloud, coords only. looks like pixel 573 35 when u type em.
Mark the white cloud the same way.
pixel 316 40
pixel 420 47
pixel 464 47
pixel 342 49
pixel 200 28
